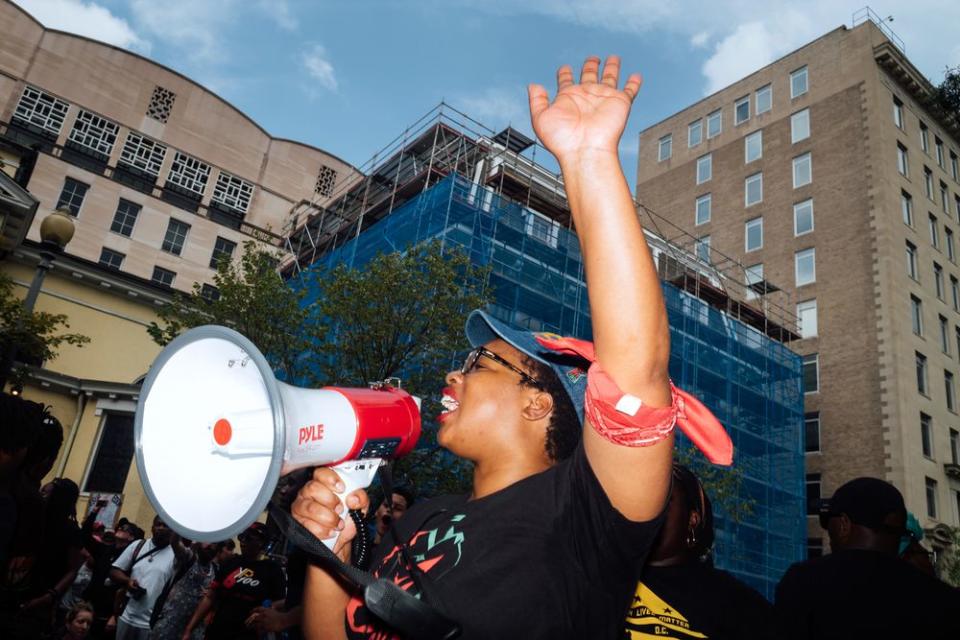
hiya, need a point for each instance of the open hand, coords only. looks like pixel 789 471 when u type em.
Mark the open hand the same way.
pixel 318 508
pixel 589 116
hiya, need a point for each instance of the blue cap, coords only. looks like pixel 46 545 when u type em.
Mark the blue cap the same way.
pixel 481 328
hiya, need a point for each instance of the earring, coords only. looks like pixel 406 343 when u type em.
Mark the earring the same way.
pixel 691 538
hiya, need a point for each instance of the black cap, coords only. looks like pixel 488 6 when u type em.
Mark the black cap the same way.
pixel 868 502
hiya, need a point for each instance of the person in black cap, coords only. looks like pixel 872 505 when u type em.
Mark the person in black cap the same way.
pixel 681 594
pixel 862 589
pixel 570 479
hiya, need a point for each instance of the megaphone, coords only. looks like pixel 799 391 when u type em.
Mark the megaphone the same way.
pixel 215 430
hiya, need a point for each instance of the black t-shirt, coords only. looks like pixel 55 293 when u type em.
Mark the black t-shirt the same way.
pixel 547 557
pixel 864 594
pixel 696 601
pixel 240 586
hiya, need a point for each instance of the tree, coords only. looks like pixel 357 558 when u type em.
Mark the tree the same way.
pixel 253 299
pixel 402 315
pixel 950 571
pixel 721 484
pixel 36 336
pixel 948 92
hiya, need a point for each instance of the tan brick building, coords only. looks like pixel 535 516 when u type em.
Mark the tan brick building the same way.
pixel 162 176
pixel 829 174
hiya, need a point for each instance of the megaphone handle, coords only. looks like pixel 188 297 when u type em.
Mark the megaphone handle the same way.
pixel 355 474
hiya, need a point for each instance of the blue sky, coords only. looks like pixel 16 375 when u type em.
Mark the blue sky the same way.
pixel 349 75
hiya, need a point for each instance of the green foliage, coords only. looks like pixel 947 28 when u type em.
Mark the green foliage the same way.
pixel 950 569
pixel 948 92
pixel 402 315
pixel 254 300
pixel 37 336
pixel 721 484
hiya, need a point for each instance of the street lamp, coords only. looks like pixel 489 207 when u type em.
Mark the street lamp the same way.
pixel 56 230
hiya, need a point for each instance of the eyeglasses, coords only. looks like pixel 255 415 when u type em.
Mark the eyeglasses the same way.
pixel 473 356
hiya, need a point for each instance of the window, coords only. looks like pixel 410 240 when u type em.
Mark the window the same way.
pixel 704 168
pixel 938 145
pixel 811 373
pixel 703 209
pixel 209 292
pixel 811 432
pixel 694 133
pixel 949 391
pixel 753 189
pixel 920 361
pixel 956 203
pixel 163 276
pixel 326 181
pixel 916 315
pixel 813 494
pixel 802 171
pixel 40 109
pixel 931 487
pixel 957 335
pixel 805 266
pixel 753 234
pixel 944 335
pixel 741 110
pixel 764 101
pixel 143 153
pixel 928 182
pixel 800 126
pixel 898 113
pixel 911 260
pixel 934 226
pixel 924 137
pixel 71 196
pixel 111 259
pixel 807 316
pixel 951 248
pixel 955 166
pixel 714 124
pixel 175 237
pixel 903 160
pixel 954 446
pixel 542 228
pixel 94 133
pixel 222 250
pixel 955 293
pixel 665 148
pixel 798 82
pixel 753 146
pixel 906 207
pixel 189 173
pixel 161 104
pixel 111 462
pixel 125 217
pixel 754 275
pixel 233 192
pixel 938 280
pixel 944 199
pixel 703 248
pixel 803 217
pixel 926 435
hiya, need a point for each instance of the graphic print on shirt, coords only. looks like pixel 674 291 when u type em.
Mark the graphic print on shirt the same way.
pixel 435 552
pixel 651 617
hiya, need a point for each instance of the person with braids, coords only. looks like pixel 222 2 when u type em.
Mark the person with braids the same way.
pixel 681 595
pixel 571 442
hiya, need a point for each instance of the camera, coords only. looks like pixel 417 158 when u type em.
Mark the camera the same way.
pixel 137 592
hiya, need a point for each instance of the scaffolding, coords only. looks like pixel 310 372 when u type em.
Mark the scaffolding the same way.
pixel 514 167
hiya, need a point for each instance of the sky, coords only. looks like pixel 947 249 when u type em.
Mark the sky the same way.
pixel 349 76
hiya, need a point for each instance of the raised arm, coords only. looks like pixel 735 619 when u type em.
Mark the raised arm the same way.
pixel 582 128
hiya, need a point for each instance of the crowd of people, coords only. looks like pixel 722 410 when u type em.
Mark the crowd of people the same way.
pixel 579 524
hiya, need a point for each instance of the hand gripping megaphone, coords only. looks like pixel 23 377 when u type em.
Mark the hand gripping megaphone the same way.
pixel 214 431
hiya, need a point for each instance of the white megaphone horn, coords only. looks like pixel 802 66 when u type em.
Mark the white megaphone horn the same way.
pixel 214 431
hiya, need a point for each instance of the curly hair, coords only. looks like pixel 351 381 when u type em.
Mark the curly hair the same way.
pixel 564 431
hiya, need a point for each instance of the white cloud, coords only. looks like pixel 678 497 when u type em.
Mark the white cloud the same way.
pixel 700 40
pixel 317 64
pixel 86 19
pixel 279 11
pixel 497 107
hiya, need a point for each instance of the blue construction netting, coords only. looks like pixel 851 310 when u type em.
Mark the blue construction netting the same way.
pixel 751 382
